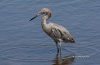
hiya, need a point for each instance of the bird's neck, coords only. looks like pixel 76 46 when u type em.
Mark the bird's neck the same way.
pixel 46 17
pixel 44 20
pixel 44 24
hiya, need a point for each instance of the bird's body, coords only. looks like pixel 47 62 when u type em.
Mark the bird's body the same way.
pixel 57 32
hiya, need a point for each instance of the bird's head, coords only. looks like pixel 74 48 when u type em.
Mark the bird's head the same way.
pixel 43 11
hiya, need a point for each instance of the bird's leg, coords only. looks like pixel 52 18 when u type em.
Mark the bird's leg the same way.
pixel 57 47
pixel 60 47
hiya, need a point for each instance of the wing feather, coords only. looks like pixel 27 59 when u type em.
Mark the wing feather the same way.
pixel 59 32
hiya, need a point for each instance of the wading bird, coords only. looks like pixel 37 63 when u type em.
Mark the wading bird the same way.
pixel 57 32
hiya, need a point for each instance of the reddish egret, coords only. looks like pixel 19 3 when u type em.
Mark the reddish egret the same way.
pixel 57 32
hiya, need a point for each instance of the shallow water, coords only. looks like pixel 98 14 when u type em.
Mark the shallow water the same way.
pixel 24 43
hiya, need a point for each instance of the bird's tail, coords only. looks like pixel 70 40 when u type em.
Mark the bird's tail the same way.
pixel 71 40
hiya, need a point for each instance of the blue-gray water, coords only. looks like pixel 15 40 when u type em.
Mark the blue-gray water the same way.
pixel 24 43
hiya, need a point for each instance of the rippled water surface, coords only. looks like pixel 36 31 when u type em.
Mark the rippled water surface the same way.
pixel 24 43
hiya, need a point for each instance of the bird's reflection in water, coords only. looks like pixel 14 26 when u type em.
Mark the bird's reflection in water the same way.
pixel 66 60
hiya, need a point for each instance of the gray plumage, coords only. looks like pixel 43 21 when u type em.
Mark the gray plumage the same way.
pixel 57 32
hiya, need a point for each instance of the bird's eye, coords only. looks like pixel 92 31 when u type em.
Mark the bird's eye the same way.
pixel 42 13
pixel 39 12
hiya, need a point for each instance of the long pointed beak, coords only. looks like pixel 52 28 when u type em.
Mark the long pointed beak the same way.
pixel 34 17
